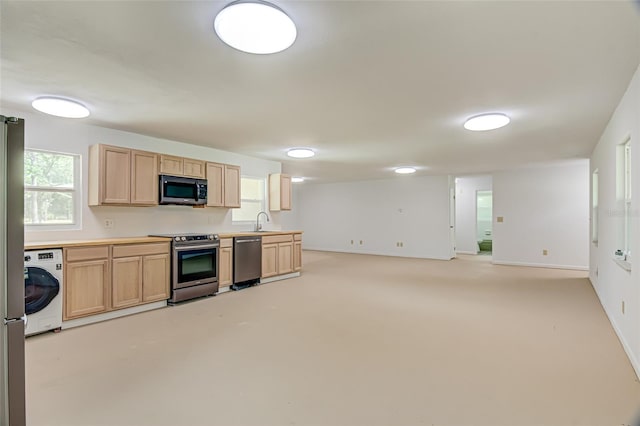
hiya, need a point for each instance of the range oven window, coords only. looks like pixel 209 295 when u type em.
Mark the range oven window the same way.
pixel 196 264
pixel 180 190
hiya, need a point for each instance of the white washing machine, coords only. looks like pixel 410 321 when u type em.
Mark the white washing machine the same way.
pixel 43 290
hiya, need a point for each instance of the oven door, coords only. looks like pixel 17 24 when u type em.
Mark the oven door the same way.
pixel 195 264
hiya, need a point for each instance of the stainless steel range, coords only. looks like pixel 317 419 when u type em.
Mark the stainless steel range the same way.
pixel 194 265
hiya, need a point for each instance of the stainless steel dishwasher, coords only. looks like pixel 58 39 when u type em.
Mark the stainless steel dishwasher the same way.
pixel 247 261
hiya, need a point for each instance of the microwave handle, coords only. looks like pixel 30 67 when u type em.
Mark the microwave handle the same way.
pixel 198 186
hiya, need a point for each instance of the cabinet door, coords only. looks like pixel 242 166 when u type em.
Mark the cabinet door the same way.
pixel 269 260
pixel 215 185
pixel 226 266
pixel 85 288
pixel 144 178
pixel 126 282
pixel 171 165
pixel 297 255
pixel 285 258
pixel 285 192
pixel 194 168
pixel 231 186
pixel 115 175
pixel 155 277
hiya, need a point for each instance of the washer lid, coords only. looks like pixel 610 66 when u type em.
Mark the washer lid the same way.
pixel 40 288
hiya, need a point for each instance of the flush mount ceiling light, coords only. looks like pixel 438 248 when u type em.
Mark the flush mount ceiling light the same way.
pixel 255 26
pixel 482 122
pixel 296 179
pixel 405 170
pixel 300 153
pixel 60 107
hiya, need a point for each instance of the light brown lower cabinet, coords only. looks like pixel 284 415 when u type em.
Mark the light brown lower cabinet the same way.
pixel 297 255
pixel 126 284
pixel 104 278
pixel 281 254
pixel 87 279
pixel 285 258
pixel 226 262
pixel 156 276
pixel 269 259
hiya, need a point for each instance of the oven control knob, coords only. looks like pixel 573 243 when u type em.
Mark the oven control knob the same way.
pixel 183 238
pixel 177 238
pixel 211 237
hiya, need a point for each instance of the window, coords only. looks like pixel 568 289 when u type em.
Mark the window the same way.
pixel 623 195
pixel 594 207
pixel 51 189
pixel 252 199
pixel 627 199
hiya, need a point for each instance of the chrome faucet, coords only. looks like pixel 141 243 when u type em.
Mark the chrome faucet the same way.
pixel 258 226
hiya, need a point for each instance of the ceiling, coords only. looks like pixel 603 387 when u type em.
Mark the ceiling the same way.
pixel 370 85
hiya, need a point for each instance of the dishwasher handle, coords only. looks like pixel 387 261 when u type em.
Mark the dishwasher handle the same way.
pixel 253 240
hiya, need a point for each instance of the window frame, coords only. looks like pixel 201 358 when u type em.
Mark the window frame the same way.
pixel 595 194
pixel 242 199
pixel 626 146
pixel 75 191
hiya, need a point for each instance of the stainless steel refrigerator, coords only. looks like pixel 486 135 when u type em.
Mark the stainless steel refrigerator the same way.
pixel 12 377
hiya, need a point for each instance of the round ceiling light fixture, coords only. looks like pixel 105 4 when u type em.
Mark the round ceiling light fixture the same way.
pixel 300 153
pixel 255 26
pixel 490 121
pixel 60 107
pixel 296 179
pixel 405 170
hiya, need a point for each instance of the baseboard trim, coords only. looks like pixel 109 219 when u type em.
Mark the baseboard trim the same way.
pixel 466 252
pixel 627 349
pixel 113 314
pixel 279 277
pixel 376 254
pixel 541 265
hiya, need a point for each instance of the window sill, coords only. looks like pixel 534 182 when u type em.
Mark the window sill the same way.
pixel 623 264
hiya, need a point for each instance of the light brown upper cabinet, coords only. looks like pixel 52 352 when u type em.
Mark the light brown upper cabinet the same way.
pixel 122 176
pixel 171 165
pixel 194 168
pixel 223 185
pixel 144 178
pixel 231 186
pixel 180 166
pixel 279 192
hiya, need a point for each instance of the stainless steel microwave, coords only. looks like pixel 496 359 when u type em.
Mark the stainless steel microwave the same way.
pixel 182 190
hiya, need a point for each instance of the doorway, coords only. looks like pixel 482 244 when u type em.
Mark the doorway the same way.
pixel 484 221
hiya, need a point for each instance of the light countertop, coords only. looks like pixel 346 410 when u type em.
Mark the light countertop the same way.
pixel 137 240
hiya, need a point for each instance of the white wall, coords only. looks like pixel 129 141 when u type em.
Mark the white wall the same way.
pixel 466 217
pixel 72 136
pixel 412 210
pixel 545 207
pixel 613 284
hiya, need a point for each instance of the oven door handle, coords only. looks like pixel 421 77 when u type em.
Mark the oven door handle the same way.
pixel 202 246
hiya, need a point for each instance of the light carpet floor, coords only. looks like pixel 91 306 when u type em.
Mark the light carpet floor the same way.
pixel 356 340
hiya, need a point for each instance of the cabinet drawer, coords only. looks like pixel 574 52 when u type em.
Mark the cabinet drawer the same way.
pixel 130 250
pixel 269 239
pixel 74 254
pixel 297 237
pixel 226 242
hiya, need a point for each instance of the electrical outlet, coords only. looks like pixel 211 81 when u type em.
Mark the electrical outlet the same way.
pixel 499 219
pixel 545 252
pixel 108 223
pixel 623 307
